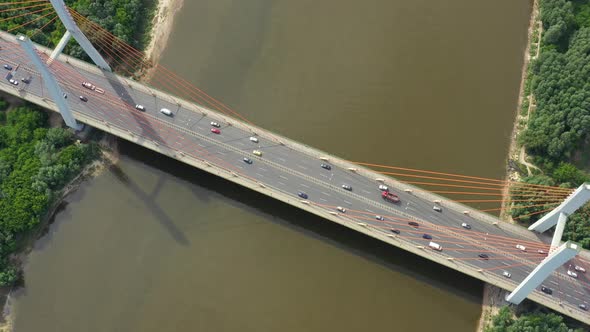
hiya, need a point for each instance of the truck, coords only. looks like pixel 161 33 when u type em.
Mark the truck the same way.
pixel 92 87
pixel 435 246
pixel 389 196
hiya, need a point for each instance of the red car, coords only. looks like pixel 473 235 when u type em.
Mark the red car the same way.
pixel 215 131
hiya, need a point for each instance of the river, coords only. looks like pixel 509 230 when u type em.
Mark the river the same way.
pixel 153 245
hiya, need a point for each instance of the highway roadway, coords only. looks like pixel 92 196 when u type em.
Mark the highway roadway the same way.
pixel 290 171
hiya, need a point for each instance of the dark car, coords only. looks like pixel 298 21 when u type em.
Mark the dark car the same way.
pixel 326 166
pixel 302 195
pixel 483 256
pixel 546 290
pixel 26 80
pixel 396 231
pixel 247 160
pixel 84 99
pixel 427 236
pixel 413 223
pixel 8 67
pixel 583 307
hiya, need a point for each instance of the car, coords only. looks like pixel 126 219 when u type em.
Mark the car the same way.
pixel 379 218
pixel 580 269
pixel 83 98
pixel 257 152
pixel 542 252
pixel 302 195
pixel 346 187
pixel 396 231
pixel 215 124
pixel 572 274
pixel 326 166
pixel 26 80
pixel 383 187
pixel 166 111
pixel 437 208
pixel 13 81
pixel 7 67
pixel 215 131
pixel 247 160
pixel 253 139
pixel 546 290
pixel 583 307
pixel 483 256
pixel 507 274
pixel 466 225
pixel 88 85
pixel 140 107
pixel 65 95
pixel 435 246
pixel 414 224
pixel 521 247
pixel 341 209
pixel 427 236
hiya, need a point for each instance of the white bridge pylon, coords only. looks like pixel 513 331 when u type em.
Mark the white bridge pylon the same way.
pixel 558 255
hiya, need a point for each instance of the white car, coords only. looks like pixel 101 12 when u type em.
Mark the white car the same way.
pixel 466 225
pixel 341 209
pixel 257 152
pixel 13 81
pixel 580 269
pixel 520 247
pixel 437 208
pixel 253 139
pixel 215 124
pixel 383 187
pixel 379 218
pixel 140 107
pixel 166 111
pixel 572 274
pixel 507 274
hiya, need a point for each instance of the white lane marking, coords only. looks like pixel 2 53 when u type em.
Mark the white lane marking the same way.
pixel 324 175
pixel 325 193
pixel 505 263
pixel 201 145
pixel 301 166
pixel 262 169
pixel 304 186
pixel 321 199
pixel 366 192
pixel 579 292
pixel 347 202
pixel 240 143
pixel 553 282
pixel 282 177
pixel 279 182
pixel 369 210
pixel 221 153
pixel 240 167
pixel 566 294
pixel 260 175
pixel 281 159
pixel 460 246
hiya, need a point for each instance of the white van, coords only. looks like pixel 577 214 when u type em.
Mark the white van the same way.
pixel 166 111
pixel 435 246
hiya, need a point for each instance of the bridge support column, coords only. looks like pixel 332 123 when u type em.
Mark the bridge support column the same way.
pixel 557 258
pixel 72 28
pixel 52 86
pixel 60 46
pixel 558 230
pixel 578 198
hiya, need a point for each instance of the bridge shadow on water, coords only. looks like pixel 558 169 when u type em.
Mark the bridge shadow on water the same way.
pixel 205 186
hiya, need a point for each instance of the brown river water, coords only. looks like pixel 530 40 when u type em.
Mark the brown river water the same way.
pixel 154 245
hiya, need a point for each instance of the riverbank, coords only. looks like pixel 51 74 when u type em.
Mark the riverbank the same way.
pixel 493 297
pixel 161 28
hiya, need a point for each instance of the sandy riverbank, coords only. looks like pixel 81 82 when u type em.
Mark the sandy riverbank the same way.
pixel 161 28
pixel 493 297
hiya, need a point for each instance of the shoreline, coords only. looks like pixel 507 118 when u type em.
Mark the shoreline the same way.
pixel 493 297
pixel 162 25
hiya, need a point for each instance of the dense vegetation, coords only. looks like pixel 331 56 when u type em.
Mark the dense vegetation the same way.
pixel 534 322
pixel 126 19
pixel 560 125
pixel 35 163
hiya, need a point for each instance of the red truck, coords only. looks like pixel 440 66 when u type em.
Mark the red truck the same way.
pixel 393 198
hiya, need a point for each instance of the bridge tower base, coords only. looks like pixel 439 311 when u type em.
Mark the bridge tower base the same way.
pixel 54 90
pixel 555 259
pixel 72 30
